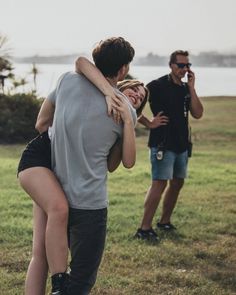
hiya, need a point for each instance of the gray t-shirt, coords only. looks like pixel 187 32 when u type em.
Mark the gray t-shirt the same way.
pixel 82 136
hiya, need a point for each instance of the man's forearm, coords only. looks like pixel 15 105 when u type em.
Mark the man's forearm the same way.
pixel 129 146
pixel 115 156
pixel 45 116
pixel 196 107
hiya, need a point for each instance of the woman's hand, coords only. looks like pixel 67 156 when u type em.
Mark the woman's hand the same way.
pixel 112 101
pixel 154 122
pixel 159 120
pixel 121 108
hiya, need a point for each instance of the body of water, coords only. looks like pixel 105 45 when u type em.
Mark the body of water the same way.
pixel 209 81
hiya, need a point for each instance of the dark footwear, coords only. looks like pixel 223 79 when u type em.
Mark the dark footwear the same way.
pixel 166 226
pixel 148 234
pixel 59 281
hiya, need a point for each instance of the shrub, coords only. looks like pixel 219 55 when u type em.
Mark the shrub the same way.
pixel 18 114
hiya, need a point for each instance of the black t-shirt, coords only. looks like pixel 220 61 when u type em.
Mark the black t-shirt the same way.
pixel 174 101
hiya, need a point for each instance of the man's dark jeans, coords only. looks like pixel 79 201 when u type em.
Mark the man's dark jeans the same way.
pixel 87 234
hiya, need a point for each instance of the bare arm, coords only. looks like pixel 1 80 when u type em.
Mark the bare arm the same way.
pixel 45 116
pixel 125 150
pixel 129 146
pixel 196 107
pixel 154 122
pixel 92 73
pixel 115 156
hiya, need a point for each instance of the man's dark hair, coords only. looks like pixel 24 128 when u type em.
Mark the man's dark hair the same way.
pixel 174 55
pixel 111 54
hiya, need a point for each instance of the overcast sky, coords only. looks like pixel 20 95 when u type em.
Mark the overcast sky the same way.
pixel 158 26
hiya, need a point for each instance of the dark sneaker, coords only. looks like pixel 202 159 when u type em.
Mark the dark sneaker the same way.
pixel 59 281
pixel 166 226
pixel 149 235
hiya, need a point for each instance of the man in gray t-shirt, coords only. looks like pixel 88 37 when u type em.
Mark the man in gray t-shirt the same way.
pixel 82 137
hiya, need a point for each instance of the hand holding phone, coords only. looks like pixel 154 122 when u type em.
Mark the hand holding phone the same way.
pixel 190 78
pixel 189 75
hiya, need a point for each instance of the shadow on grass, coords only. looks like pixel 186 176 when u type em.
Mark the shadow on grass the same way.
pixel 219 263
pixel 225 278
pixel 172 235
pixel 149 242
pixel 17 266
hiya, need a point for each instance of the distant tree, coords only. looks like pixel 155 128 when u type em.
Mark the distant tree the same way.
pixel 18 115
pixel 16 83
pixel 5 64
pixel 19 82
pixel 34 72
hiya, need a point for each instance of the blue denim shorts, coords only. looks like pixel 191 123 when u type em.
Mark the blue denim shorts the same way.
pixel 171 166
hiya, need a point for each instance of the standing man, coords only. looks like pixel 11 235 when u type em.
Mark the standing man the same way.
pixel 85 143
pixel 169 144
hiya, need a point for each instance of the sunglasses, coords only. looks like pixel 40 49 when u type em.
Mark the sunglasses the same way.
pixel 183 65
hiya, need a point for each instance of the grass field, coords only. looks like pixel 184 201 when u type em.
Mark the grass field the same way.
pixel 198 259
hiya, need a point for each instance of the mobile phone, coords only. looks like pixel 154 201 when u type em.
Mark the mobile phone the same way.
pixel 186 77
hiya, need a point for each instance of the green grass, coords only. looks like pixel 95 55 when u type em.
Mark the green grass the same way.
pixel 200 258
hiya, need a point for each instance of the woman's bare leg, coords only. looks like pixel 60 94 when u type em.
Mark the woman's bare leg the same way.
pixel 36 277
pixel 43 187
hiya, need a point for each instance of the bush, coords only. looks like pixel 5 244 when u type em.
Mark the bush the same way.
pixel 18 115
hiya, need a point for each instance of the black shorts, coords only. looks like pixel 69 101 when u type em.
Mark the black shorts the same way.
pixel 37 153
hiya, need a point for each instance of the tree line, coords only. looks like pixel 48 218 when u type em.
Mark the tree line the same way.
pixel 18 111
pixel 203 59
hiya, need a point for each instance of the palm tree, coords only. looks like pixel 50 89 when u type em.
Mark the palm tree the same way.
pixel 5 64
pixel 34 72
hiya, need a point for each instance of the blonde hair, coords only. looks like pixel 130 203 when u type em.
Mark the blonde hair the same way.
pixel 132 83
